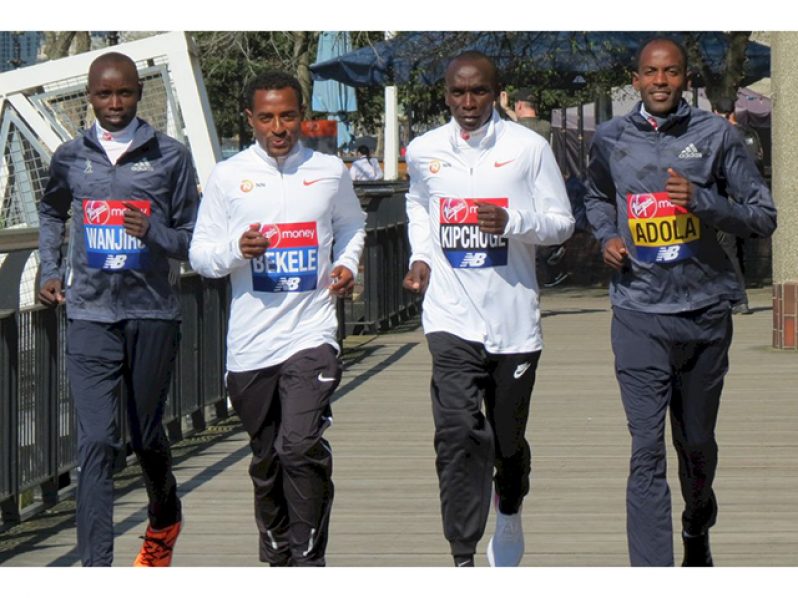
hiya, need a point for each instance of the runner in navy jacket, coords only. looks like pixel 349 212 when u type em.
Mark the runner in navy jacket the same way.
pixel 132 196
pixel 659 184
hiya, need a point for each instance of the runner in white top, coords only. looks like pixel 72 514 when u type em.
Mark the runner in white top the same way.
pixel 483 193
pixel 270 218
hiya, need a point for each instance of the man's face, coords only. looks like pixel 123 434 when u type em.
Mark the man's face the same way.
pixel 470 93
pixel 114 91
pixel 661 77
pixel 276 117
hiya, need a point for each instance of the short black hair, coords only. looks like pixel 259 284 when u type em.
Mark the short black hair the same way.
pixel 723 106
pixel 657 39
pixel 477 56
pixel 364 150
pixel 267 80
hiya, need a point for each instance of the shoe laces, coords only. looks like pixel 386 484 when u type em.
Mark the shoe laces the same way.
pixel 155 549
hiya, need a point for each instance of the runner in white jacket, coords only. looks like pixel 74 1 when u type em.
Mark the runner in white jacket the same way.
pixel 483 193
pixel 271 217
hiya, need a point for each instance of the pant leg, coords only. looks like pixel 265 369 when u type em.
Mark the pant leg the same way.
pixel 307 382
pixel 150 351
pixel 94 356
pixel 507 408
pixel 463 438
pixel 255 400
pixel 694 413
pixel 642 366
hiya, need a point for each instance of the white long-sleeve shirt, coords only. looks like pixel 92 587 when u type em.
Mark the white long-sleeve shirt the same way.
pixel 483 288
pixel 307 208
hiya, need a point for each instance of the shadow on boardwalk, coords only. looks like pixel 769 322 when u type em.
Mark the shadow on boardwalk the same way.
pixel 386 510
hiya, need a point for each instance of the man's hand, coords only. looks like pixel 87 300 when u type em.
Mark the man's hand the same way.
pixel 680 190
pixel 252 243
pixel 342 281
pixel 417 278
pixel 492 218
pixel 51 293
pixel 136 222
pixel 615 253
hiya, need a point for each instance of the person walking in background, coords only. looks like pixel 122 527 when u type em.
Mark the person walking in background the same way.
pixel 365 168
pixel 133 198
pixel 283 221
pixel 659 182
pixel 730 243
pixel 484 193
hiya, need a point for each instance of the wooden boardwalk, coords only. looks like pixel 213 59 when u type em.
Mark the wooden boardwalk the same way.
pixel 386 510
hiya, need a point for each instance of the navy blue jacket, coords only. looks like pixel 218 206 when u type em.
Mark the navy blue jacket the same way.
pixel 676 263
pixel 108 275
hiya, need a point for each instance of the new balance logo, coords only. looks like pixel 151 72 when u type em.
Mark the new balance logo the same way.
pixel 142 165
pixel 473 260
pixel 668 254
pixel 88 169
pixel 115 262
pixel 691 151
pixel 521 370
pixel 287 284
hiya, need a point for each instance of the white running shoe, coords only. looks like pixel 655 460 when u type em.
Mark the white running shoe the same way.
pixel 506 546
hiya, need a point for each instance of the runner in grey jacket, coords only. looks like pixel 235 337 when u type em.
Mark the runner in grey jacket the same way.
pixel 132 197
pixel 659 185
pixel 155 171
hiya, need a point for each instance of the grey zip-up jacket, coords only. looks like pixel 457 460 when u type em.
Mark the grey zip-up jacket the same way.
pixel 675 262
pixel 110 276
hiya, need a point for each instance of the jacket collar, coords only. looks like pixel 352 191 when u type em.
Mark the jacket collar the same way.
pixel 495 125
pixel 144 133
pixel 682 113
pixel 298 154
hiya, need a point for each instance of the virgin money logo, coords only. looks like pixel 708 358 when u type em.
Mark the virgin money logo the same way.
pixel 97 212
pixel 643 205
pixel 454 210
pixel 272 234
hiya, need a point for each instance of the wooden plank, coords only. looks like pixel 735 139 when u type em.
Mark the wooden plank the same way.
pixel 387 512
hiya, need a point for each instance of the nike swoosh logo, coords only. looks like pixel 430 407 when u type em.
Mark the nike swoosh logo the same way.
pixel 307 183
pixel 323 378
pixel 500 164
pixel 521 370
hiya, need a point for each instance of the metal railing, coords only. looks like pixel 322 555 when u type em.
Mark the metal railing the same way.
pixel 38 445
pixel 379 302
pixel 37 422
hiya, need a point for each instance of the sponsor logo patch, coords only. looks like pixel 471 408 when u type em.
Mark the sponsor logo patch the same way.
pixel 290 264
pixel 108 246
pixel 691 151
pixel 661 231
pixel 463 244
pixel 246 186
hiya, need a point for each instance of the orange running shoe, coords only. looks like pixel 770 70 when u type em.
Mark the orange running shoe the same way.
pixel 158 546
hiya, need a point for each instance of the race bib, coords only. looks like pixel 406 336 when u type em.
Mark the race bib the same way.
pixel 463 244
pixel 108 246
pixel 290 264
pixel 661 231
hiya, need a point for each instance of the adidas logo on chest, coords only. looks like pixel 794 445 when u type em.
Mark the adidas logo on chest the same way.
pixel 691 151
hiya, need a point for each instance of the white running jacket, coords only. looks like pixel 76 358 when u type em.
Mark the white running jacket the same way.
pixel 483 288
pixel 307 208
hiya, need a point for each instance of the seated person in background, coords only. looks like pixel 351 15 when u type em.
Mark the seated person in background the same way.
pixel 365 168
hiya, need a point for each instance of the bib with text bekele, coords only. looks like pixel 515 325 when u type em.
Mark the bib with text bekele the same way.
pixel 291 262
